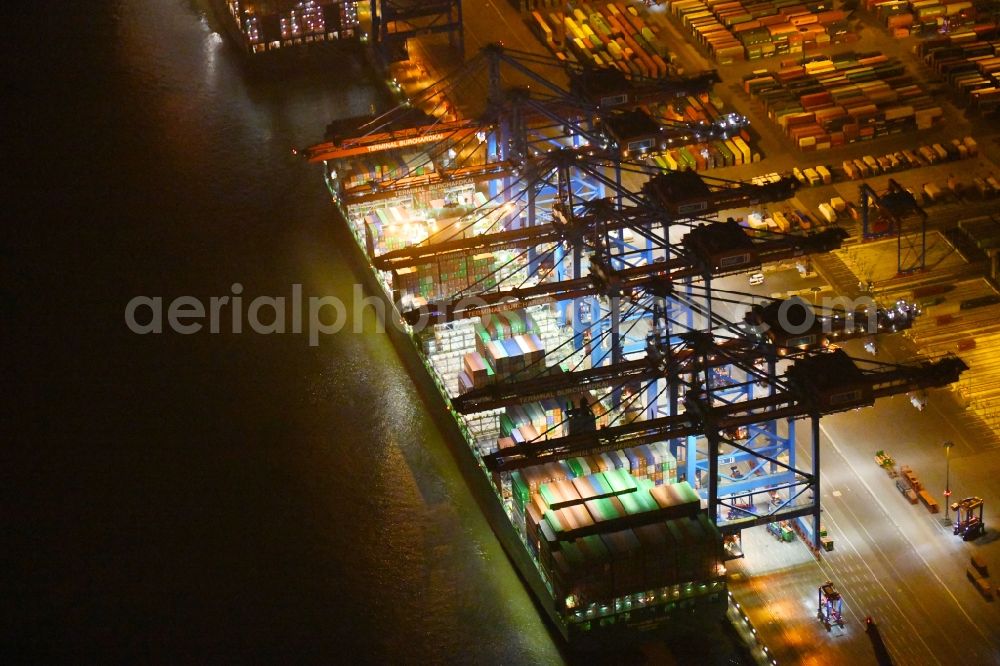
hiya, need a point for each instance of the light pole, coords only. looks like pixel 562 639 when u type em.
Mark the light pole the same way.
pixel 947 477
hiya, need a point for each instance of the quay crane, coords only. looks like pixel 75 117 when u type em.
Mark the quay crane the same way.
pixel 552 160
pixel 526 206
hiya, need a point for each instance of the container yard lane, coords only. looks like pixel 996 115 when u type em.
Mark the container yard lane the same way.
pixel 923 560
pixel 892 560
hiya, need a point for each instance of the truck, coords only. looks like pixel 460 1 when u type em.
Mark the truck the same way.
pixel 781 221
pixel 983 188
pixel 805 221
pixel 932 193
pixel 970 145
pixel 955 186
pixel 827 212
pixel 912 158
pixel 994 184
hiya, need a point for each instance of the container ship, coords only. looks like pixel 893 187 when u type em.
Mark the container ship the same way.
pixel 264 28
pixel 612 543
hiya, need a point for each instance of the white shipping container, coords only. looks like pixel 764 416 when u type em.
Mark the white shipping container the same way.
pixel 828 213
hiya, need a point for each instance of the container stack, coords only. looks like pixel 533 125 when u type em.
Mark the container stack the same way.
pixel 733 30
pixel 544 417
pixel 503 325
pixel 705 155
pixel 304 19
pixel 454 342
pixel 709 155
pixel 904 18
pixel 396 227
pixel 385 166
pixel 708 30
pixel 971 68
pixel 506 347
pixel 399 223
pixel 652 462
pixel 608 535
pixel 502 360
pixel 851 97
pixel 459 273
pixel 686 109
pixel 447 350
pixel 612 35
pixel 560 507
pixel 445 277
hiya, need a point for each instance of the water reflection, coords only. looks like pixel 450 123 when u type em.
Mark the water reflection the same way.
pixel 237 495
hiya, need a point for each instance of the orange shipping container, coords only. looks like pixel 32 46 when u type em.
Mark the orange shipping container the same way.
pixel 737 153
pixel 661 64
pixel 802 19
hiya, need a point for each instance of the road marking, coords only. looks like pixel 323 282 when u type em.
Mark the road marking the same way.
pixel 872 576
pixel 957 435
pixel 894 571
pixel 510 31
pixel 903 534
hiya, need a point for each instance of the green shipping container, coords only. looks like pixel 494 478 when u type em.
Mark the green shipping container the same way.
pixel 520 488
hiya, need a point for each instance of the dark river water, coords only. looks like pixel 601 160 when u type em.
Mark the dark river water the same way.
pixel 209 497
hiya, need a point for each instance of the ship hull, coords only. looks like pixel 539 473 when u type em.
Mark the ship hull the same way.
pixel 294 56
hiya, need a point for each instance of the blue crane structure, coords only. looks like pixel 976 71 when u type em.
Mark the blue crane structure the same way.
pixel 628 256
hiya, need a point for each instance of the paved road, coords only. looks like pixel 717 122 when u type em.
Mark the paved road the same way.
pixel 892 560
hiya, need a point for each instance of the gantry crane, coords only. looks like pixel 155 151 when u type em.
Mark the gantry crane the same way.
pixel 632 272
pixel 969 518
pixel 830 605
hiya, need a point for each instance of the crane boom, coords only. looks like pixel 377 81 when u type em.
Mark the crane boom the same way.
pixel 810 395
